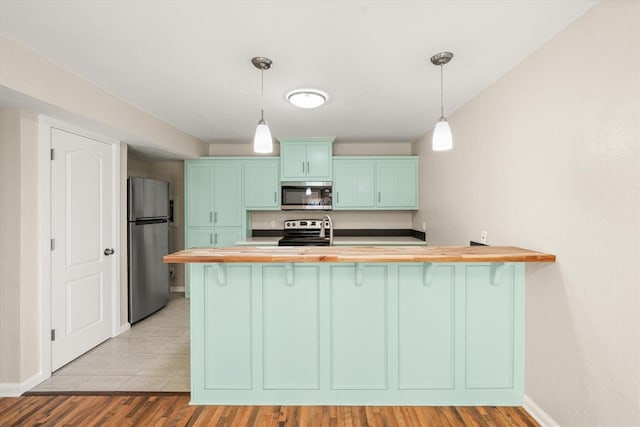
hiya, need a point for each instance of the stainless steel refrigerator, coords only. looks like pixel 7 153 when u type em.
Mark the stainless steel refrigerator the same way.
pixel 148 242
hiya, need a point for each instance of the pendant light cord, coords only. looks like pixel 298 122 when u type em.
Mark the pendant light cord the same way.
pixel 441 92
pixel 262 94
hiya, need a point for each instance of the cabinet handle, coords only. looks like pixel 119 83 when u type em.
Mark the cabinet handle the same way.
pixel 337 197
pixel 307 167
pixel 215 239
pixel 215 217
pixel 378 197
pixel 211 238
pixel 210 216
pixel 275 196
pixel 303 166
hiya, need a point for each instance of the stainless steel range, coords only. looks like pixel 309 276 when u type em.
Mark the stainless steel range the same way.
pixel 307 232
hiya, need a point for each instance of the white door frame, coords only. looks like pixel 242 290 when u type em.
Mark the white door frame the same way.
pixel 44 200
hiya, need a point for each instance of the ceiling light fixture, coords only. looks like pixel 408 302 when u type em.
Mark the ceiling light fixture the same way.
pixel 307 98
pixel 262 140
pixel 442 139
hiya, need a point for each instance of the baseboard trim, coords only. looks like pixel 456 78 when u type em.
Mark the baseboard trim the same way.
pixel 16 389
pixel 538 413
pixel 121 329
pixel 176 288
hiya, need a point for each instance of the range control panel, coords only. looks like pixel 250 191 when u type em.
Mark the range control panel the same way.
pixel 305 224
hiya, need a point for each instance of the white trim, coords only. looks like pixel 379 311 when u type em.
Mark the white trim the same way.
pixel 115 238
pixel 44 199
pixel 538 413
pixel 121 329
pixel 16 389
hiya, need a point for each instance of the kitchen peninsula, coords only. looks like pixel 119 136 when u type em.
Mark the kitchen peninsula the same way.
pixel 357 325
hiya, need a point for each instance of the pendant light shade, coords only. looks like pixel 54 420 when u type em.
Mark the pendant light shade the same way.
pixel 262 140
pixel 442 138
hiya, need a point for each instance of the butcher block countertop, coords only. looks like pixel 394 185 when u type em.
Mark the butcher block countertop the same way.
pixel 359 254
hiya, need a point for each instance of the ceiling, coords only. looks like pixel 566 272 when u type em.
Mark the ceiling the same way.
pixel 188 63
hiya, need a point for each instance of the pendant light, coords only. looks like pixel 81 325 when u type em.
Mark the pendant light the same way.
pixel 442 139
pixel 262 140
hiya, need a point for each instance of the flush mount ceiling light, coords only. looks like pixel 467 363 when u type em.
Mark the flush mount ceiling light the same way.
pixel 262 140
pixel 307 98
pixel 442 139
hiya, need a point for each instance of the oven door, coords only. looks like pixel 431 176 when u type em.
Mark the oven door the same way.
pixel 306 195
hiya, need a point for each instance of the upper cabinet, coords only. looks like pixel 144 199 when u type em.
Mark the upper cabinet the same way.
pixel 388 183
pixel 262 184
pixel 306 159
pixel 397 183
pixel 354 183
pixel 213 193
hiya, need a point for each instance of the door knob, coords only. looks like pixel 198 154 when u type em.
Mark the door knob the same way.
pixel 109 251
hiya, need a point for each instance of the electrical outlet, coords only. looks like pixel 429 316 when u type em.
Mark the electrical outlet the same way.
pixel 483 236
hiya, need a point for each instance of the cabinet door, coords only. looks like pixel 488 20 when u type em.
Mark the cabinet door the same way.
pixel 226 236
pixel 353 184
pixel 358 327
pixel 199 238
pixel 199 194
pixel 262 185
pixel 227 194
pixel 291 327
pixel 396 182
pixel 319 162
pixel 294 162
pixel 489 327
pixel 426 327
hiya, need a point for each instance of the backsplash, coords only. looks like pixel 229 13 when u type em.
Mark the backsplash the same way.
pixel 265 220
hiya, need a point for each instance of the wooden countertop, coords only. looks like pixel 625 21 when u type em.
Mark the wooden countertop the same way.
pixel 359 254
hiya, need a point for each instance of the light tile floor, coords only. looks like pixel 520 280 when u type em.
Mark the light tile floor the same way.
pixel 152 356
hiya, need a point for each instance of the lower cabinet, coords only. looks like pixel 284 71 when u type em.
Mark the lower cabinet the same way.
pixel 213 237
pixel 378 333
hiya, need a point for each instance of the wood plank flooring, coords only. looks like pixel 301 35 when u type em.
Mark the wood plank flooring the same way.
pixel 174 410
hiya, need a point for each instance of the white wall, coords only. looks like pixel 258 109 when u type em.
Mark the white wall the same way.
pixel 47 88
pixel 547 158
pixel 339 149
pixel 265 220
pixel 19 247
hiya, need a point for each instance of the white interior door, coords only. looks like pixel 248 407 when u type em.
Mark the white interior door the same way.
pixel 81 227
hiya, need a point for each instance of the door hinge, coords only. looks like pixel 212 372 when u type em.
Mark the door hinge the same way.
pixel 53 244
pixel 53 335
pixel 52 154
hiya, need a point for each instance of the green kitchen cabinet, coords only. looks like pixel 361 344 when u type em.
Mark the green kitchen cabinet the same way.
pixel 262 184
pixel 397 183
pixel 213 237
pixel 353 183
pixel 369 183
pixel 357 333
pixel 213 193
pixel 199 194
pixel 306 159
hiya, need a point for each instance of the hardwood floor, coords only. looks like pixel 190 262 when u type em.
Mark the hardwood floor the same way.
pixel 174 410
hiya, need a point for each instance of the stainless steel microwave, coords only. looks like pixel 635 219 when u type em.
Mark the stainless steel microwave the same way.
pixel 306 195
